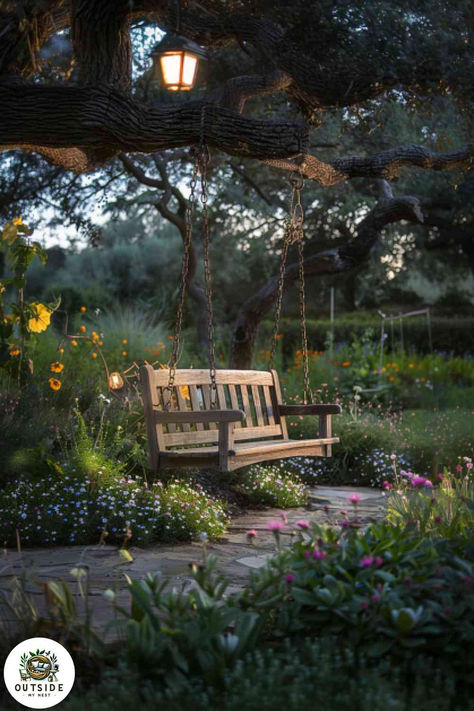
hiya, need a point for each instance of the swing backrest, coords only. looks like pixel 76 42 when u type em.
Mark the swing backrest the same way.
pixel 256 392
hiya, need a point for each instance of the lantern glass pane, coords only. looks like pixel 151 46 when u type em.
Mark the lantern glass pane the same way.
pixel 189 70
pixel 171 69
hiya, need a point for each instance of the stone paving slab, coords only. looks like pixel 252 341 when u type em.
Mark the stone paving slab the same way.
pixel 236 555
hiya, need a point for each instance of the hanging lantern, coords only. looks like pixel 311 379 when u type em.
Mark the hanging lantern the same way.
pixel 115 381
pixel 175 62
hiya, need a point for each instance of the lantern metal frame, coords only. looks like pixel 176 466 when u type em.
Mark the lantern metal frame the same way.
pixel 177 45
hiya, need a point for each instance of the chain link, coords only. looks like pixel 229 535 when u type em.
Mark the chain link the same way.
pixel 183 285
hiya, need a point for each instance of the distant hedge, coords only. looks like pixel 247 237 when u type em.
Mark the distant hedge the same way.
pixel 449 334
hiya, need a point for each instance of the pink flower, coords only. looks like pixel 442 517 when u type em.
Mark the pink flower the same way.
pixel 354 499
pixel 387 485
pixel 276 526
pixel 303 524
pixel 440 477
pixel 307 553
pixel 421 481
pixel 393 457
pixel 458 468
pixel 345 523
pixel 319 555
pixel 290 578
pixel 252 533
pixel 469 465
pixel 366 561
pixel 284 517
pixel 376 597
pixel 379 561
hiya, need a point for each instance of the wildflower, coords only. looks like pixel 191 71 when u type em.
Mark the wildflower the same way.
pixel 74 343
pixel 124 341
pixel 378 561
pixel 411 365
pixel 393 457
pixel 366 561
pixel 275 526
pixel 41 320
pixel 303 524
pixel 279 335
pixel 354 499
pixel 346 364
pixel 283 516
pixel 14 351
pixel 82 329
pixel 124 353
pixel 61 350
pixel 469 465
pixel 94 355
pixel 345 523
pixel 319 555
pixel 290 578
pixel 387 485
pixel 83 309
pixel 17 221
pixel 376 597
pixel 56 367
pixel 251 534
pixel 54 383
pixel 335 378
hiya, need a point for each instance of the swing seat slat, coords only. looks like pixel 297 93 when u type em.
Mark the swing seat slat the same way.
pixel 249 425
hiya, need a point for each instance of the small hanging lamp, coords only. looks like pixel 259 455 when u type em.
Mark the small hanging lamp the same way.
pixel 176 60
pixel 115 381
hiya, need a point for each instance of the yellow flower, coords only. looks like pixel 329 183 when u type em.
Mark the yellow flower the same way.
pixel 2 287
pixel 61 350
pixel 56 367
pixel 14 351
pixel 94 355
pixel 83 329
pixel 124 341
pixel 54 383
pixel 83 309
pixel 100 343
pixel 95 336
pixel 184 391
pixel 74 343
pixel 41 321
pixel 17 221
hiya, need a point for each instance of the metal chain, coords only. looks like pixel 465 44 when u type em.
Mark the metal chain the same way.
pixel 183 285
pixel 204 160
pixel 294 235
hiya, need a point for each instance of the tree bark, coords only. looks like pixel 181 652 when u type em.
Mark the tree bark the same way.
pixel 332 261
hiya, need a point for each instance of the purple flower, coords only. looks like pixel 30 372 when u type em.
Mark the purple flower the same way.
pixel 387 485
pixel 319 555
pixel 366 561
pixel 421 481
pixel 276 526
pixel 379 561
pixel 354 499
pixel 290 578
pixel 376 597
pixel 303 524
pixel 345 523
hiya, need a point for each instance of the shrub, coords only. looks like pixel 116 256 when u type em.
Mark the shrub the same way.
pixel 270 486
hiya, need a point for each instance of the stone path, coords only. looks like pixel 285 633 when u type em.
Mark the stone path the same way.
pixel 236 555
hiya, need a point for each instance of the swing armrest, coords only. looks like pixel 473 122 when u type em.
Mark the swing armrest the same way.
pixel 311 409
pixel 220 416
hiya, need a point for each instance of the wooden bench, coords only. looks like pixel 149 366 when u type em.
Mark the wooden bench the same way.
pixel 249 425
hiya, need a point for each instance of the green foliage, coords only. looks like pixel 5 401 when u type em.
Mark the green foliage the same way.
pixel 271 486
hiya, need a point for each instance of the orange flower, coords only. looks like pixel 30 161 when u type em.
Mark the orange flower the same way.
pixel 94 355
pixel 410 365
pixel 54 383
pixel 279 335
pixel 56 367
pixel 346 364
pixel 422 380
pixel 100 343
pixel 17 221
pixel 61 350
pixel 83 309
pixel 391 379
pixel 83 329
pixel 74 343
pixel 170 338
pixel 124 341
pixel 14 351
pixel 335 378
pixel 124 353
pixel 94 336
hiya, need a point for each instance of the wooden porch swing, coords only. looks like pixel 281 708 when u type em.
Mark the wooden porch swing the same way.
pixel 227 419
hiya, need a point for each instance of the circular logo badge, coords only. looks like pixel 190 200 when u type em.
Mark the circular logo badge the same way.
pixel 39 673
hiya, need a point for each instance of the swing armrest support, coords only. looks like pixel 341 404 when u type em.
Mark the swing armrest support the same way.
pixel 323 411
pixel 220 416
